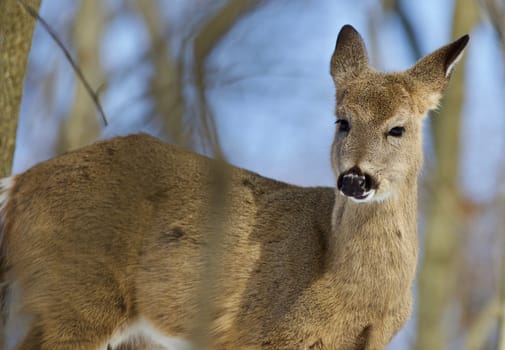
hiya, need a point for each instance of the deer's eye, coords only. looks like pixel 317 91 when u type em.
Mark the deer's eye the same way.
pixel 397 131
pixel 343 125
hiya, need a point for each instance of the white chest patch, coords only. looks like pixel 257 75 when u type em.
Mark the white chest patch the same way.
pixel 142 329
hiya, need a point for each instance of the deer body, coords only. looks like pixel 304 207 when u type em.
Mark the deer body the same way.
pixel 111 239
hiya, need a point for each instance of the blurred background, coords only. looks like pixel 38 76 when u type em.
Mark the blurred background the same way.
pixel 249 80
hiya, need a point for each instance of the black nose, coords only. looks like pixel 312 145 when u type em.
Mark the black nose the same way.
pixel 353 183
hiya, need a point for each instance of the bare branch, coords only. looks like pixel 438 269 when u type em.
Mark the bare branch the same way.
pixel 495 10
pixel 211 33
pixel 399 8
pixel 80 128
pixel 94 96
pixel 165 85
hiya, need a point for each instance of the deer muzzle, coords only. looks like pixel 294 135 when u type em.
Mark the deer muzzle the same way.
pixel 356 184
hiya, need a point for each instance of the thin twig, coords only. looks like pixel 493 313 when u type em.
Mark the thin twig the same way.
pixel 496 13
pixel 207 38
pixel 408 27
pixel 32 12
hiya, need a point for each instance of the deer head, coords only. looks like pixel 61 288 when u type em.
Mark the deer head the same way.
pixel 377 147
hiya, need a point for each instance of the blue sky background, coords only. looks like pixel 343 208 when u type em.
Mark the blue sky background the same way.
pixel 270 88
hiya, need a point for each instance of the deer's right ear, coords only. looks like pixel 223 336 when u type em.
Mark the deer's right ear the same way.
pixel 350 56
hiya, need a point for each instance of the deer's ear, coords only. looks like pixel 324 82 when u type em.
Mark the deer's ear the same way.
pixel 350 56
pixel 434 70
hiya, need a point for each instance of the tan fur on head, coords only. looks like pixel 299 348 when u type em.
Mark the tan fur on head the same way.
pixel 374 102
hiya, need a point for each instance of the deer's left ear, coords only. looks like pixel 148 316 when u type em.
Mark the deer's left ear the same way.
pixel 434 70
pixel 350 56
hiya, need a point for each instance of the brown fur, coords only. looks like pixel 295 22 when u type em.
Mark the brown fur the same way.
pixel 115 231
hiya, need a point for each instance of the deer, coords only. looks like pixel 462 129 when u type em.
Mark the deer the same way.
pixel 106 244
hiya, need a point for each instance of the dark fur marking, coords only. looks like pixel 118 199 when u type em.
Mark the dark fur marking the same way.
pixel 247 183
pixel 157 196
pixel 110 151
pixel 121 305
pixel 318 345
pixel 172 236
pixel 363 338
pixel 253 186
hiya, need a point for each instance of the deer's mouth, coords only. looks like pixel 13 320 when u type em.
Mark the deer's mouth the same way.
pixel 365 197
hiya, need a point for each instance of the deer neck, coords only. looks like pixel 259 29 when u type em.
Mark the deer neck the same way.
pixel 366 232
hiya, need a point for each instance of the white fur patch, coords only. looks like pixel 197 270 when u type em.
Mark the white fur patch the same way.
pixel 142 329
pixel 433 101
pixel 382 197
pixel 352 176
pixel 5 185
pixel 371 196
pixel 368 197
pixel 453 64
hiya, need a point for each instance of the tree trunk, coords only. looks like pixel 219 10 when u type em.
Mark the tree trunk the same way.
pixel 437 273
pixel 16 29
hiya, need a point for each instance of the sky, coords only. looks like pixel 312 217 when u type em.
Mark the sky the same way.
pixel 270 87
